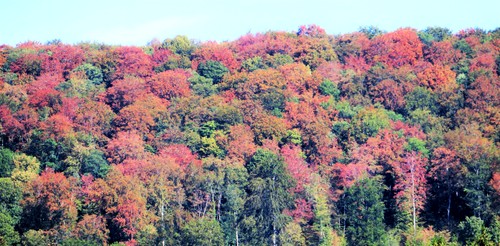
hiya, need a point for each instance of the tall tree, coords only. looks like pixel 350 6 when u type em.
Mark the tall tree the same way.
pixel 365 213
pixel 268 196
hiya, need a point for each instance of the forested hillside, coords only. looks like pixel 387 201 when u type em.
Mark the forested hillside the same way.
pixel 306 138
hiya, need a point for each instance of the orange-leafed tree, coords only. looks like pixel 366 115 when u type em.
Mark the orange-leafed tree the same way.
pixel 396 48
pixel 141 116
pixel 240 142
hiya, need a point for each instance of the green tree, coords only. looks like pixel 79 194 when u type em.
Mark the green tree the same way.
pixel 180 45
pixel 473 231
pixel 10 196
pixel 364 220
pixel 235 181
pixel 95 164
pixel 368 122
pixel 328 88
pixel 6 162
pixel 291 235
pixel 34 238
pixel 203 231
pixel 213 70
pixel 202 86
pixel 94 74
pixel 371 31
pixel 268 195
pixel 7 233
pixel 26 168
pixel 252 64
pixel 421 98
pixel 318 190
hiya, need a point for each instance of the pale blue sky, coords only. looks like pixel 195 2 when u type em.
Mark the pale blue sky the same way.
pixel 137 22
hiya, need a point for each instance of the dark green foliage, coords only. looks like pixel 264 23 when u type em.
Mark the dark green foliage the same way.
pixel 421 98
pixel 434 34
pixel 272 100
pixel 10 196
pixel 328 88
pixel 364 213
pixel 213 70
pixel 95 163
pixel 476 187
pixel 49 152
pixel 10 211
pixel 464 47
pixel 227 115
pixel 6 162
pixel 371 31
pixel 94 74
pixel 202 86
pixel 235 181
pixel 473 231
pixel 497 62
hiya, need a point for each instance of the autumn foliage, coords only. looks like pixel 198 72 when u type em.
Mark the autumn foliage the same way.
pixel 277 138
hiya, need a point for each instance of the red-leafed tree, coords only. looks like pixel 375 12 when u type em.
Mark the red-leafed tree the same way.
pixel 297 76
pixel 296 166
pixel 57 126
pixel 125 92
pixel 215 52
pixel 181 154
pixel 92 228
pixel 390 94
pixel 442 53
pixel 170 84
pixel 132 61
pixel 128 208
pixel 94 118
pixel 483 93
pixel 125 145
pixel 50 203
pixel 62 59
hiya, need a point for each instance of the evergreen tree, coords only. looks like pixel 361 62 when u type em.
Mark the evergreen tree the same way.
pixel 365 213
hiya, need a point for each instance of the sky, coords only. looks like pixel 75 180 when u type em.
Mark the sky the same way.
pixel 122 22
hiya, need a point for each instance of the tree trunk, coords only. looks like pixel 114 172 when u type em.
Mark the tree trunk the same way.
pixel 412 171
pixel 449 208
pixel 274 235
pixel 237 239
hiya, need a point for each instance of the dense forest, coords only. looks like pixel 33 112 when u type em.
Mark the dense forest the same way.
pixel 277 138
